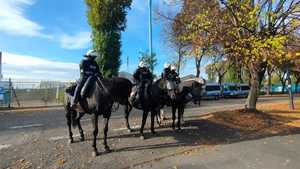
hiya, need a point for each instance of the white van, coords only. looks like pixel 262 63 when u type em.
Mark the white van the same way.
pixel 244 90
pixel 212 90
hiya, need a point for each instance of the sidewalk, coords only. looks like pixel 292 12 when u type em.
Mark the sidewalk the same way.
pixel 278 152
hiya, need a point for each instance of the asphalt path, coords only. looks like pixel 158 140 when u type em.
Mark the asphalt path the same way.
pixel 47 127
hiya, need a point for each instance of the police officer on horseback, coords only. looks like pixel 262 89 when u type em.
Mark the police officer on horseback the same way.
pixel 88 68
pixel 143 78
pixel 174 75
pixel 166 72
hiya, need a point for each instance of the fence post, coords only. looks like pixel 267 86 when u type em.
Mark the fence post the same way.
pixel 57 94
pixel 10 92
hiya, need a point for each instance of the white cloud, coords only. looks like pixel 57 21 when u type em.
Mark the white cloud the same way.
pixel 81 40
pixel 14 22
pixel 27 67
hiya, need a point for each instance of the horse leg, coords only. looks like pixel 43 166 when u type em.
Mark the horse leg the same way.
pixel 79 126
pixel 173 115
pixel 105 130
pixel 95 133
pixel 158 119
pixel 145 114
pixel 128 109
pixel 153 113
pixel 69 123
pixel 180 114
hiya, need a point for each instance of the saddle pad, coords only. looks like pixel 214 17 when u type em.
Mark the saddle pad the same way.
pixel 170 85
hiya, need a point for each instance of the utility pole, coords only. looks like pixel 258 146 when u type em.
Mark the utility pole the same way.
pixel 150 28
pixel 1 76
pixel 290 89
pixel 127 63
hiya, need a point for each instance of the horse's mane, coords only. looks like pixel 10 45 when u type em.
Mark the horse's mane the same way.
pixel 158 81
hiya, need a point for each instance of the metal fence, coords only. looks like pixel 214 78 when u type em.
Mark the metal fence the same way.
pixel 33 94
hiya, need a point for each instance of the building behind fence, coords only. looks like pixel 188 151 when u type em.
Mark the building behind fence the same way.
pixel 32 93
pixel 14 94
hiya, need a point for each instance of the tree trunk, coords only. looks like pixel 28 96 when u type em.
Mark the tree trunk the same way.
pixel 269 81
pixel 179 61
pixel 283 86
pixel 261 73
pixel 198 63
pixel 254 91
pixel 239 74
pixel 220 80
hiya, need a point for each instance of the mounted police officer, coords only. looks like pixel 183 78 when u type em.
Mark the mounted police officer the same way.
pixel 174 75
pixel 144 78
pixel 88 68
pixel 166 72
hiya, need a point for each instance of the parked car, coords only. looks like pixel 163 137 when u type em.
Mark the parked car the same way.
pixel 231 90
pixel 212 90
pixel 244 90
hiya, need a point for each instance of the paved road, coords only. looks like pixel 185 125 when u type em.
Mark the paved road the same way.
pixel 279 152
pixel 39 138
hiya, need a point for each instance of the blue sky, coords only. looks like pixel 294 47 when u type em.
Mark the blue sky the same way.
pixel 45 39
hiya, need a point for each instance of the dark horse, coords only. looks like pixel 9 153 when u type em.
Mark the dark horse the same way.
pixel 153 102
pixel 178 97
pixel 101 97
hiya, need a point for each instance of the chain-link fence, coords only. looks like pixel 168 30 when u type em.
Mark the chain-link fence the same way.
pixel 34 94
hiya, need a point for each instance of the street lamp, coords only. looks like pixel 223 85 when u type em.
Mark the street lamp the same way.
pixel 150 27
pixel 289 87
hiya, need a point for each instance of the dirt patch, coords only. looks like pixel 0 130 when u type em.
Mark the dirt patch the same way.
pixel 270 119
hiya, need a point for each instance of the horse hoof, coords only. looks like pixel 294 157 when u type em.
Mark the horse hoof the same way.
pixel 71 141
pixel 142 137
pixel 82 139
pixel 95 154
pixel 107 149
pixel 129 130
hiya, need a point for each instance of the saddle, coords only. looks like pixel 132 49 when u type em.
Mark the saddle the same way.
pixel 135 97
pixel 171 85
pixel 87 88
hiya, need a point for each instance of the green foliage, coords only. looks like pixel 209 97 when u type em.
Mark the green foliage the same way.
pixel 211 73
pixel 250 32
pixel 107 19
pixel 150 60
pixel 231 76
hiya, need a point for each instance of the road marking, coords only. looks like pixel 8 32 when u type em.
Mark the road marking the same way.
pixel 61 137
pixel 56 138
pixel 124 128
pixel 84 120
pixel 3 146
pixel 26 126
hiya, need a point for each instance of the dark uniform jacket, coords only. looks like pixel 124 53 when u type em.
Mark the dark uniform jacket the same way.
pixel 89 68
pixel 142 75
pixel 174 76
pixel 166 74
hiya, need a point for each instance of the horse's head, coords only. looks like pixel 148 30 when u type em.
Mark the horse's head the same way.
pixel 186 94
pixel 172 89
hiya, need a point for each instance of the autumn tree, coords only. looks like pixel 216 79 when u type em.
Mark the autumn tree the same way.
pixel 252 33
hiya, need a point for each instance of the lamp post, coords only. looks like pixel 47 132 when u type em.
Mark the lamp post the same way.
pixel 150 27
pixel 290 89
